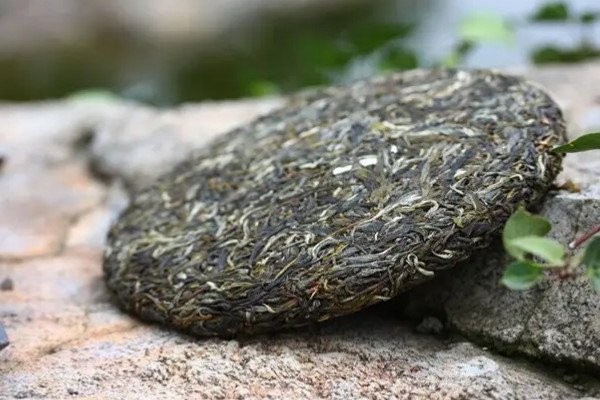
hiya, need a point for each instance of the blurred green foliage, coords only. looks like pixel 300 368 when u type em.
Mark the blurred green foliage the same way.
pixel 283 61
pixel 558 11
pixel 589 17
pixel 286 59
pixel 287 55
pixel 486 27
pixel 477 29
pixel 555 54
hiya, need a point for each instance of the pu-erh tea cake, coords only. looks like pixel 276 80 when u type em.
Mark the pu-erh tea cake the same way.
pixel 346 197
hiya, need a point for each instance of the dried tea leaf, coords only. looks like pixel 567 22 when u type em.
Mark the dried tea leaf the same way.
pixel 344 198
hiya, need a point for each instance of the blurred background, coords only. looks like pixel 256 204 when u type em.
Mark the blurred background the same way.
pixel 168 52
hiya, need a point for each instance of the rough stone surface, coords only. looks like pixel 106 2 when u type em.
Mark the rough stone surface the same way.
pixel 557 321
pixel 141 146
pixel 68 340
pixel 357 358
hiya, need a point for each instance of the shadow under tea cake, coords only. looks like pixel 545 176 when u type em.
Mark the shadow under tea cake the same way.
pixel 346 197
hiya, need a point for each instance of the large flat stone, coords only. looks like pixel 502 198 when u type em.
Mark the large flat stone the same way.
pixel 61 188
pixel 39 204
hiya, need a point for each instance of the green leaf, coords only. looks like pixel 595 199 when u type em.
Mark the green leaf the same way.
pixel 557 11
pixel 486 27
pixel 591 259
pixel 522 224
pixel 543 247
pixel 595 282
pixel 521 275
pixel 591 141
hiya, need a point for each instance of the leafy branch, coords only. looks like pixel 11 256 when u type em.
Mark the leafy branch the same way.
pixel 536 255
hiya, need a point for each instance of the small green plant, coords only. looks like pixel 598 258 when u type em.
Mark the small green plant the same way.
pixel 524 238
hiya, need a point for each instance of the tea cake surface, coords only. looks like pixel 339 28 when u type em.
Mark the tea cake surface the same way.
pixel 344 198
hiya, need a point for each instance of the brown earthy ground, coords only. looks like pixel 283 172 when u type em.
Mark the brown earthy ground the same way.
pixel 61 183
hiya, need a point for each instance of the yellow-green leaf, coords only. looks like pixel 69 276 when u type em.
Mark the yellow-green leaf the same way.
pixel 543 247
pixel 523 224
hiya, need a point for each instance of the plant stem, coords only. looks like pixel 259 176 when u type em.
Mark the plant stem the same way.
pixel 582 239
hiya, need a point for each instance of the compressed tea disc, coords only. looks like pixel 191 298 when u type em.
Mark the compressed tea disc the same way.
pixel 344 198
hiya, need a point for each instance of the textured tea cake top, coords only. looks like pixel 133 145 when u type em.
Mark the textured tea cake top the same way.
pixel 347 197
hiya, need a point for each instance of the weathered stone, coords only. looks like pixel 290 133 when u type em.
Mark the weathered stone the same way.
pixel 91 348
pixel 145 144
pixel 558 321
pixel 66 337
pixel 38 205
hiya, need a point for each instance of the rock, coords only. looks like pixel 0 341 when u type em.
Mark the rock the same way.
pixel 38 205
pixel 93 349
pixel 557 321
pixel 4 340
pixel 430 326
pixel 67 337
pixel 7 284
pixel 146 143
